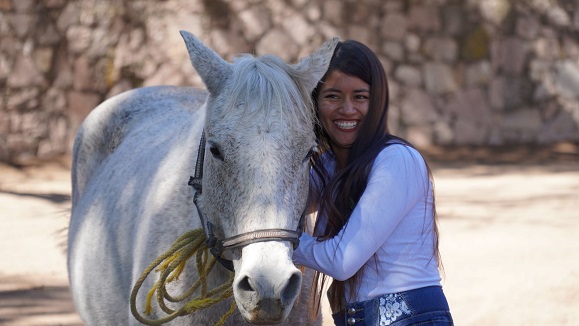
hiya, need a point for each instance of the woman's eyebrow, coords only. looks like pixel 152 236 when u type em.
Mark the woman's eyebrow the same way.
pixel 331 89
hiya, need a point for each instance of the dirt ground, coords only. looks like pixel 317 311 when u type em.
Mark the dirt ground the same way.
pixel 509 225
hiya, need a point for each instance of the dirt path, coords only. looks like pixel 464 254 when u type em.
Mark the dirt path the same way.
pixel 510 243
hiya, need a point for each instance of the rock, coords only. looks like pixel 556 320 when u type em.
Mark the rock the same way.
pixel 6 5
pixel 477 44
pixel 25 74
pixel 567 79
pixel 453 19
pixel 441 49
pixel 393 50
pixel 424 17
pixel 394 27
pixel 479 73
pixel 417 108
pixel 408 75
pixel 439 79
pixel 256 21
pixel 279 43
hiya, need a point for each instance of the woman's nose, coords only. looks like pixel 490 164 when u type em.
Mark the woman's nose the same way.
pixel 347 106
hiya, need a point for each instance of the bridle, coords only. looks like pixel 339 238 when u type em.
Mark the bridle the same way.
pixel 218 246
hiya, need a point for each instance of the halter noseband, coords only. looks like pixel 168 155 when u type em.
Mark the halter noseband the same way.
pixel 218 246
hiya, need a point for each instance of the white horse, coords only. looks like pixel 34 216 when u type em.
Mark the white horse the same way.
pixel 134 154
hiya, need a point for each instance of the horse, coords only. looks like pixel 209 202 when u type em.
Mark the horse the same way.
pixel 133 155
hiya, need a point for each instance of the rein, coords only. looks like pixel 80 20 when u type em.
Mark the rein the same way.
pixel 218 246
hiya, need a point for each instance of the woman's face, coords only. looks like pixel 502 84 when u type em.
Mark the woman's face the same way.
pixel 343 102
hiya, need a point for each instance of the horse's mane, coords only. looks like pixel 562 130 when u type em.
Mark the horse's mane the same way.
pixel 266 82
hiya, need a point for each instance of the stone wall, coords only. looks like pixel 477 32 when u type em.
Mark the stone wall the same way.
pixel 462 72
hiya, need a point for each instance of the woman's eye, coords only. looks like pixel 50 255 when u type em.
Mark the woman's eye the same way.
pixel 216 152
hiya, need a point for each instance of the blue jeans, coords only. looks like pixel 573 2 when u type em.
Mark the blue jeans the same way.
pixel 424 306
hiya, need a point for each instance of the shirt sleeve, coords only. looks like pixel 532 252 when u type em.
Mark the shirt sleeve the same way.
pixel 396 183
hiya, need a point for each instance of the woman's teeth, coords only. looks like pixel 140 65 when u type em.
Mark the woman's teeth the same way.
pixel 346 124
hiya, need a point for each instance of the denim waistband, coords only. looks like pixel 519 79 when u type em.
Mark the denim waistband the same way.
pixel 388 308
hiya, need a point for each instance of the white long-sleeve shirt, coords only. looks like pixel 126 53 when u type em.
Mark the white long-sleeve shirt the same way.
pixel 390 231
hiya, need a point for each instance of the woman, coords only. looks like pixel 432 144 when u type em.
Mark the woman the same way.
pixel 375 233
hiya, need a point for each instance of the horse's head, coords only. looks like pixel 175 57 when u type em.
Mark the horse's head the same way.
pixel 259 129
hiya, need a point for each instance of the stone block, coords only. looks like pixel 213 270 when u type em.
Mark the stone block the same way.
pixel 511 55
pixel 25 98
pixel 417 108
pixel 21 23
pixel 408 75
pixel 424 17
pixel 24 6
pixel 54 101
pixel 394 27
pixel 547 48
pixel 68 16
pixel 467 132
pixel 79 38
pixel 412 42
pixel 83 74
pixel 6 5
pixel 393 50
pixel 279 43
pixel 42 57
pixel 476 46
pixel 332 11
pixel 560 128
pixel 558 16
pixel 420 136
pixel 439 78
pixel 5 67
pixel 527 27
pixel 567 79
pixel 470 105
pixel 510 92
pixel 494 11
pixel 256 21
pixel 479 73
pixel 299 29
pixel 453 19
pixel 525 120
pixel 25 74
pixel 79 106
pixel 441 49
pixel 443 133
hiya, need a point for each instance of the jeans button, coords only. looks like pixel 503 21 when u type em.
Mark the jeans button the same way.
pixel 351 311
pixel 351 321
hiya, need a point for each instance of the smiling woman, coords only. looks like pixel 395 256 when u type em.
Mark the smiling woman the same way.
pixel 376 232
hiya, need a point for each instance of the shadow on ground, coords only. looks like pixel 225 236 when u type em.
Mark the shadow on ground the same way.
pixel 44 304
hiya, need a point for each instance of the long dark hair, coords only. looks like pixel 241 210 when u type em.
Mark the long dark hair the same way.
pixel 340 193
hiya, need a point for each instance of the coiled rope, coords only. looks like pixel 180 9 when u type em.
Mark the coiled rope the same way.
pixel 170 265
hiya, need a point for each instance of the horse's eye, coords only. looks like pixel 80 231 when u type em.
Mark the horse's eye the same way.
pixel 216 152
pixel 311 152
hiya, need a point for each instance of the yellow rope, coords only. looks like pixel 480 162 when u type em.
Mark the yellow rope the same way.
pixel 170 265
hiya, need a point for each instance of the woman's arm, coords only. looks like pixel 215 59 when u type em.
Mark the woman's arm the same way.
pixel 397 181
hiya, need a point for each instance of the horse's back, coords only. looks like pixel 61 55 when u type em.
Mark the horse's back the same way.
pixel 154 108
pixel 131 160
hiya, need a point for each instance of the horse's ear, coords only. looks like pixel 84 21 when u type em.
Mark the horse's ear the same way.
pixel 212 69
pixel 314 66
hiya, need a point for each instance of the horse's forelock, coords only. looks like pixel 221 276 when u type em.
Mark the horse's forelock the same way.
pixel 261 83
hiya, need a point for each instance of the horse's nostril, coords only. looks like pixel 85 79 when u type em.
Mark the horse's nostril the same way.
pixel 245 285
pixel 292 287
